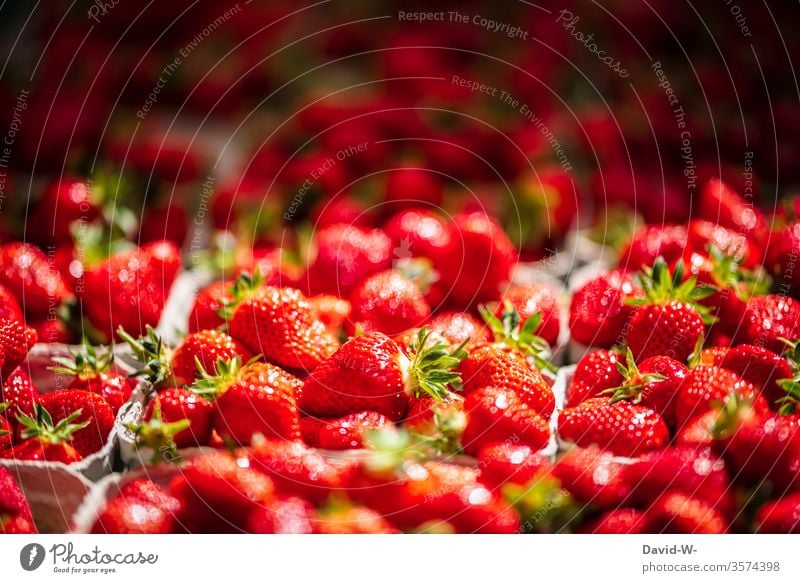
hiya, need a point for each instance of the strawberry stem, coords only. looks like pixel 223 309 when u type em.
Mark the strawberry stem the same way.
pixel 507 330
pixel 42 427
pixel 432 367
pixel 151 351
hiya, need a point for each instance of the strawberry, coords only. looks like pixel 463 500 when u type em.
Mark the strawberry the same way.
pixel 170 407
pixel 408 187
pixel 419 233
pixel 341 210
pixel 455 328
pixel 598 311
pixel 282 325
pixel 206 346
pixel 141 507
pixel 650 242
pixel 678 513
pixel 505 462
pixel 668 321
pixel 371 372
pixel 620 427
pixel 28 273
pixel 767 319
pixel 529 300
pixel 596 372
pixel 497 414
pixel 295 469
pixel 92 372
pixel 256 398
pixel 94 411
pixel 333 311
pixel 284 515
pixel 760 367
pixel 42 440
pixel 720 204
pixel 784 245
pixel 348 432
pixel 9 306
pixel 63 202
pixel 344 256
pixel 16 340
pixel 479 263
pixel 705 234
pixel 53 331
pixel 19 392
pixel 15 513
pixel 217 492
pixel 345 518
pixel 592 476
pixel 708 384
pixel 440 421
pixel 387 302
pixel 654 383
pixel 780 516
pixel 618 521
pixel 6 431
pixel 207 304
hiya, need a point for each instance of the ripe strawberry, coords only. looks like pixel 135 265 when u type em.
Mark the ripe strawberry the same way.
pixel 284 515
pixel 341 210
pixel 15 513
pixel 93 409
pixel 479 263
pixel 720 204
pixel 170 407
pixel 42 440
pixel 497 414
pixel 92 372
pixel 760 367
pixel 784 245
pixel 599 311
pixel 53 331
pixel 345 255
pixel 419 233
pixel 9 306
pixel 20 393
pixel 295 469
pixel 622 427
pixel 207 305
pixel 667 321
pixel 348 432
pixel 506 462
pixel 708 384
pixel 141 507
pixel 407 187
pixel 16 339
pixel 206 346
pixel 592 476
pixel 333 311
pixel 529 300
pixel 338 518
pixel 618 521
pixel 282 325
pixel 256 398
pixel 780 516
pixel 650 242
pixel 63 202
pixel 6 431
pixel 678 513
pixel 372 373
pixel 217 492
pixel 705 234
pixel 27 273
pixel 596 372
pixel 387 302
pixel 654 383
pixel 440 421
pixel 767 319
pixel 455 328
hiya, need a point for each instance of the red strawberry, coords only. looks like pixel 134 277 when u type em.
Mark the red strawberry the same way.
pixel 780 516
pixel 348 432
pixel 341 210
pixel 6 431
pixel 28 273
pixel 705 234
pixel 208 303
pixel 170 407
pixel 496 415
pixel 622 428
pixel 479 263
pixel 141 507
pixel 333 311
pixel 419 233
pixel 459 327
pixel 345 255
pixel 295 469
pixel 592 476
pixel 372 373
pixel 783 246
pixel 720 204
pixel 337 518
pixel 206 346
pixel 650 242
pixel 760 367
pixel 257 398
pixel 63 202
pixel 387 302
pixel 619 521
pixel 529 300
pixel 94 409
pixel 16 339
pixel 53 331
pixel 282 325
pixel 409 187
pixel 42 440
pixel 667 321
pixel 678 513
pixel 15 513
pixel 288 515
pixel 441 421
pixel 505 462
pixel 769 318
pixel 92 372
pixel 19 392
pixel 596 372
pixel 708 384
pixel 599 311
pixel 9 306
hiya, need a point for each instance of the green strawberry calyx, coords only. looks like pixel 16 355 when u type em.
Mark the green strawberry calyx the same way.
pixel 3 408
pixel 41 426
pixel 158 436
pixel 243 289
pixel 433 363
pixel 728 273
pixel 543 505
pixel 789 404
pixel 153 353
pixel 733 411
pixel 85 364
pixel 521 336
pixel 634 381
pixel 213 384
pixel 393 451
